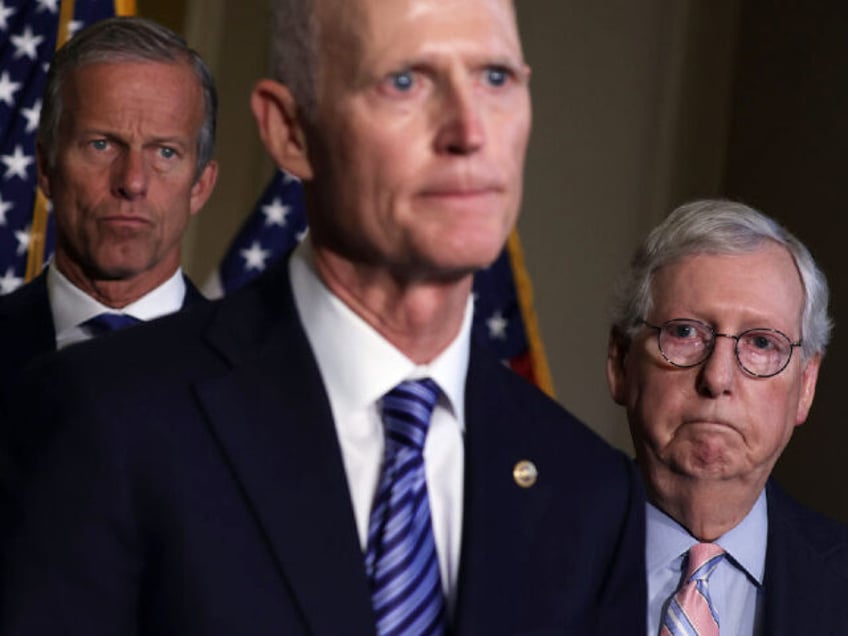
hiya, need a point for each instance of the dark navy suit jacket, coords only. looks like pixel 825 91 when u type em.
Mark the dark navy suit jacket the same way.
pixel 194 485
pixel 806 575
pixel 27 333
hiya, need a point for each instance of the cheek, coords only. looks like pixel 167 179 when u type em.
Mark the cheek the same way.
pixel 513 131
pixel 173 206
pixel 655 401
pixel 778 413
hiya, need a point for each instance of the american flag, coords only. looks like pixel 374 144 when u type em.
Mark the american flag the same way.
pixel 503 312
pixel 28 33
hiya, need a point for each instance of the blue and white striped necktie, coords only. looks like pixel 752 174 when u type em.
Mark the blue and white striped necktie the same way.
pixel 400 559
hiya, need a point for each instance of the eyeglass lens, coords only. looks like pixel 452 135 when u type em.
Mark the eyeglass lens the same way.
pixel 761 352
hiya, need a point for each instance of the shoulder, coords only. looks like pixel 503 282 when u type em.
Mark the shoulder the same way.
pixel 490 380
pixel 170 354
pixel 528 419
pixel 27 299
pixel 819 536
pixel 26 329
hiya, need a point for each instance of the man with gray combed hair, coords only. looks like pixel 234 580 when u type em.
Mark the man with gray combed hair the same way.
pixel 124 148
pixel 718 333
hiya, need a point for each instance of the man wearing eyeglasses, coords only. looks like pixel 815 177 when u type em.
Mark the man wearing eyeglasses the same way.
pixel 719 330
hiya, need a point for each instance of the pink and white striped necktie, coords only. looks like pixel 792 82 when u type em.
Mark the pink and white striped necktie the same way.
pixel 690 611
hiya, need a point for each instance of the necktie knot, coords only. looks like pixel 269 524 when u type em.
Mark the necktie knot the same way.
pixel 690 611
pixel 109 321
pixel 406 412
pixel 702 561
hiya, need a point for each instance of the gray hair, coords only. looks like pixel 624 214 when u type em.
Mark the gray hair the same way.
pixel 719 227
pixel 125 39
pixel 294 50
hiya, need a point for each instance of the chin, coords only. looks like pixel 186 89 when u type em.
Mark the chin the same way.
pixel 119 269
pixel 460 268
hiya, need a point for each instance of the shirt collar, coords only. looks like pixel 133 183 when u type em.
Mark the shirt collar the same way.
pixel 667 540
pixel 357 364
pixel 71 306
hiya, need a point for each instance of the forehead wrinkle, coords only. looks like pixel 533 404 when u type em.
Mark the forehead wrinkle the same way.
pixel 749 295
pixel 361 36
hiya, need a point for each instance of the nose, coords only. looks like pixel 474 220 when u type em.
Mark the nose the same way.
pixel 461 130
pixel 130 175
pixel 718 372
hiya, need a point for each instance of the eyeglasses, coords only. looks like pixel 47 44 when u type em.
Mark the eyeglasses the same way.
pixel 760 352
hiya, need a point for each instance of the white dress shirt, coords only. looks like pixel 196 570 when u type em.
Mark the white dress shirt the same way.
pixel 71 306
pixel 735 585
pixel 359 366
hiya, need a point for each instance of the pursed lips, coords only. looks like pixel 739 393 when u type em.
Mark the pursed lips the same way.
pixel 461 188
pixel 709 422
pixel 134 218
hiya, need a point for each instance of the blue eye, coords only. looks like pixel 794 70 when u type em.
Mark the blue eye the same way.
pixel 167 153
pixel 497 76
pixel 100 144
pixel 402 81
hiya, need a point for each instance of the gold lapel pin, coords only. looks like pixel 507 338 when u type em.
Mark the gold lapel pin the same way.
pixel 525 473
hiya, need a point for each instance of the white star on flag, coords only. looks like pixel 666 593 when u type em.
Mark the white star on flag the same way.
pixel 5 206
pixel 9 282
pixel 497 326
pixel 32 116
pixel 26 44
pixel 7 89
pixel 48 5
pixel 23 238
pixel 74 26
pixel 16 164
pixel 275 212
pixel 5 12
pixel 255 256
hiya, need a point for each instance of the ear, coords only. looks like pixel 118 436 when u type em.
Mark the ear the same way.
pixel 616 366
pixel 280 128
pixel 202 188
pixel 43 170
pixel 809 377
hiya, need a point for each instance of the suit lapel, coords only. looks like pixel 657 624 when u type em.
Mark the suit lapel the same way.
pixel 273 420
pixel 499 517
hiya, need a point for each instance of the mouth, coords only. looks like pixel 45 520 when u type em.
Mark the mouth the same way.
pixel 708 422
pixel 478 199
pixel 460 194
pixel 124 220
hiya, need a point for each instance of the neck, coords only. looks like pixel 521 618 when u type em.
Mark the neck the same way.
pixel 706 508
pixel 419 317
pixel 115 293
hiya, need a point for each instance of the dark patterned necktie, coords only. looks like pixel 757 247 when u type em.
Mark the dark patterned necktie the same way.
pixel 691 611
pixel 400 558
pixel 106 322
